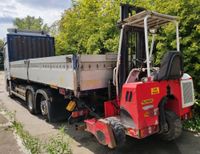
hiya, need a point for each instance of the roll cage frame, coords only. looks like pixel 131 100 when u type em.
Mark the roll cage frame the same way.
pixel 146 20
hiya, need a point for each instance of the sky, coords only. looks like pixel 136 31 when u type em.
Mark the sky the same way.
pixel 48 10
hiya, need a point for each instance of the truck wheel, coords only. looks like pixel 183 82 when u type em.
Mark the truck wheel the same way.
pixel 8 88
pixel 10 94
pixel 30 101
pixel 174 126
pixel 45 104
pixel 118 131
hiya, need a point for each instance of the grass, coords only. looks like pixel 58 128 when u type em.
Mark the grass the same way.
pixel 58 144
pixel 31 143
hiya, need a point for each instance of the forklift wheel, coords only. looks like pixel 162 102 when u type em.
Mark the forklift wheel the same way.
pixel 118 131
pixel 174 127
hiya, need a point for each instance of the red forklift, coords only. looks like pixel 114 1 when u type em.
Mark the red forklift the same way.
pixel 149 99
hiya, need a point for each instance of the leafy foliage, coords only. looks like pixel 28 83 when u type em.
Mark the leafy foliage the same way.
pixel 194 123
pixel 1 44
pixel 54 28
pixel 30 23
pixel 89 27
pixel 1 54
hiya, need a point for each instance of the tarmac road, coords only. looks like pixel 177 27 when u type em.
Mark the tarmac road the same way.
pixel 85 143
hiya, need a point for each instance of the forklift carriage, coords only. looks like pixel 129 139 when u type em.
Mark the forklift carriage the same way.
pixel 149 100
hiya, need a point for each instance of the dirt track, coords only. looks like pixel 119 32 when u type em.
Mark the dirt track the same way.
pixel 85 143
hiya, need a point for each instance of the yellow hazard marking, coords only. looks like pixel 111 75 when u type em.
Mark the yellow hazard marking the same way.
pixel 155 90
pixel 71 106
pixel 147 101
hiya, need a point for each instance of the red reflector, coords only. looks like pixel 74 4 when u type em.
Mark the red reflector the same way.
pixel 62 91
pixel 76 114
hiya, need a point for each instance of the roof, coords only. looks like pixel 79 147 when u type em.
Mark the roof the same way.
pixel 15 31
pixel 155 19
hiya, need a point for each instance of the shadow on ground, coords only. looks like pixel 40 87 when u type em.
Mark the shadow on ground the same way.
pixel 150 145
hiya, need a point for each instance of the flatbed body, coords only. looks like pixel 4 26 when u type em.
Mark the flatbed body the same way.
pixel 72 72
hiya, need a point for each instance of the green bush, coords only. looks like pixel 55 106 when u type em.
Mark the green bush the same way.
pixel 194 123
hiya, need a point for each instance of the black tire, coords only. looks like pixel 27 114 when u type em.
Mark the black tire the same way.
pixel 55 103
pixel 44 104
pixel 30 99
pixel 9 88
pixel 174 126
pixel 118 131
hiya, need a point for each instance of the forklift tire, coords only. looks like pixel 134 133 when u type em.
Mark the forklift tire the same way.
pixel 119 132
pixel 174 126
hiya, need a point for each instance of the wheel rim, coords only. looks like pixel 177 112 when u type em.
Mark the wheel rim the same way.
pixel 30 104
pixel 44 107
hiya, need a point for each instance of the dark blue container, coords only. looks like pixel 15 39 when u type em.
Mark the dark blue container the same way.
pixel 22 47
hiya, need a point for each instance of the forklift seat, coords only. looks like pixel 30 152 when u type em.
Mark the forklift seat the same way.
pixel 133 75
pixel 171 67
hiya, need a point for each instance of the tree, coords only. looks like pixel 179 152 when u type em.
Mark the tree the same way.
pixel 89 27
pixel 1 54
pixel 1 44
pixel 54 28
pixel 30 23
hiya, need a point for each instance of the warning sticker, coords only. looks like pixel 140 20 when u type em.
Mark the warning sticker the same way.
pixel 147 101
pixel 155 90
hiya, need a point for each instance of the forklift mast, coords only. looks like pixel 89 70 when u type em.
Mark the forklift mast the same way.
pixel 132 45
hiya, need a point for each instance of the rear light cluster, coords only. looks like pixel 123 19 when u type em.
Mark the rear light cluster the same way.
pixel 76 114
